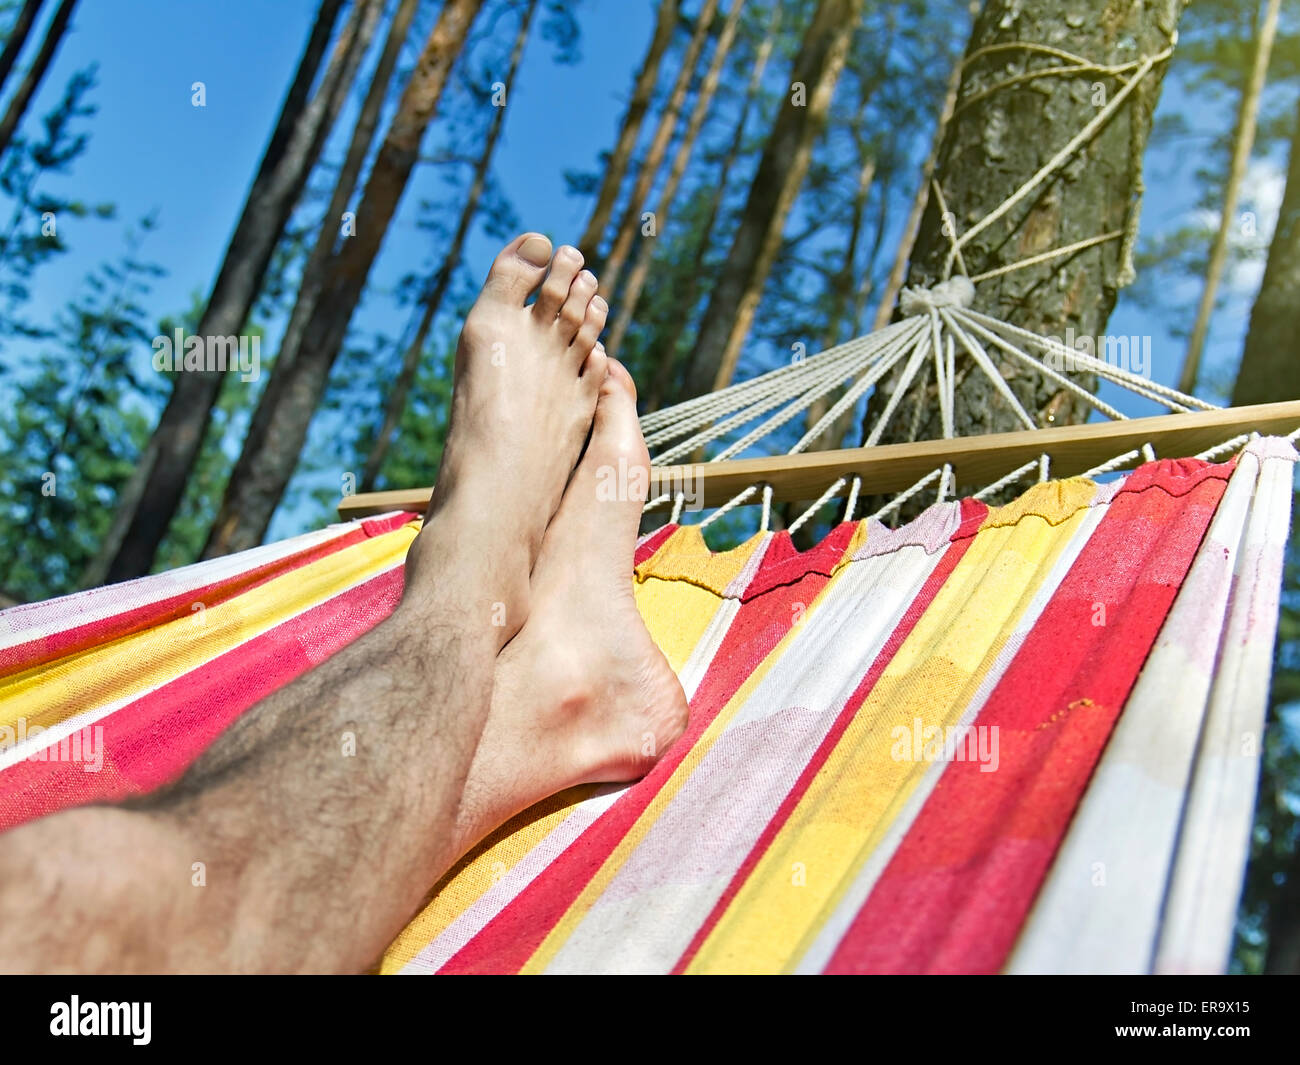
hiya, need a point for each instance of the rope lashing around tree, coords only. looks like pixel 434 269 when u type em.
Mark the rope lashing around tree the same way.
pixel 936 322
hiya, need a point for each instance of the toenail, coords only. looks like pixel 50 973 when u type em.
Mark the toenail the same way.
pixel 599 303
pixel 570 252
pixel 587 277
pixel 536 250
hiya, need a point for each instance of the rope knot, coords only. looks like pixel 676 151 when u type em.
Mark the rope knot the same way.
pixel 955 292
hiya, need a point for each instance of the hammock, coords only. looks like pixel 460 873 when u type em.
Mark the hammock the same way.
pixel 1105 646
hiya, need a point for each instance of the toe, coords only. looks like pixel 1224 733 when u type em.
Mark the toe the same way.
pixel 519 269
pixel 555 289
pixel 573 314
pixel 593 368
pixel 592 325
pixel 616 427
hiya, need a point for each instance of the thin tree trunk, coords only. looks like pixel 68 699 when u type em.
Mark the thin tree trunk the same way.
pixel 885 309
pixel 772 193
pixel 631 293
pixel 994 143
pixel 149 500
pixel 666 366
pixel 35 73
pixel 1270 369
pixel 395 405
pixel 17 38
pixel 642 93
pixel 612 266
pixel 1243 143
pixel 345 184
pixel 291 398
pixel 313 275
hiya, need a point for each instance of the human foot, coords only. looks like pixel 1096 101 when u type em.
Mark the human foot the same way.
pixel 582 694
pixel 526 382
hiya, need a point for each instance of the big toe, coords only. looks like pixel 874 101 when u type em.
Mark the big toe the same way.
pixel 519 269
pixel 616 430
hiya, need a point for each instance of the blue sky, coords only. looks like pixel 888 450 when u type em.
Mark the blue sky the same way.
pixel 151 150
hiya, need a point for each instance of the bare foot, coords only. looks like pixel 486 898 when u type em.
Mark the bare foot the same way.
pixel 582 694
pixel 525 389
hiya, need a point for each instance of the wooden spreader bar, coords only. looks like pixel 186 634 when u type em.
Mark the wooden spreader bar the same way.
pixel 976 460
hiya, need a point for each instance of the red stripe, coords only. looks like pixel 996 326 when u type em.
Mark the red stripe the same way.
pixel 652 543
pixel 956 893
pixel 514 934
pixel 973 513
pixel 152 740
pixel 44 649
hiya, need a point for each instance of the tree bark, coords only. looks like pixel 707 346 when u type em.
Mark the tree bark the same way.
pixel 611 267
pixel 666 365
pixel 781 171
pixel 395 405
pixel 631 293
pixel 642 93
pixel 1243 142
pixel 149 500
pixel 36 72
pixel 291 398
pixel 1270 369
pixel 17 38
pixel 1000 136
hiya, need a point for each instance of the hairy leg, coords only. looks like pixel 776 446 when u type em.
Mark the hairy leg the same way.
pixel 275 852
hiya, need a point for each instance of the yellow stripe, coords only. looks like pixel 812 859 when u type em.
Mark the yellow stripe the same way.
pixel 564 928
pixel 856 795
pixel 47 694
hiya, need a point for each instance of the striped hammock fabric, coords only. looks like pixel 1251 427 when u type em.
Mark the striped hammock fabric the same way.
pixel 1022 738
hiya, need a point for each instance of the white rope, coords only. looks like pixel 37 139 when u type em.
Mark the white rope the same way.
pixel 1045 370
pixel 1010 478
pixel 896 398
pixel 677 508
pixel 990 371
pixel 851 396
pixel 733 502
pixel 767 508
pixel 853 499
pixel 1112 464
pixel 1170 397
pixel 822 500
pixel 903 497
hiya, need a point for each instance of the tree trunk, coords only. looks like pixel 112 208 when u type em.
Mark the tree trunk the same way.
pixel 776 183
pixel 1243 142
pixel 395 405
pixel 631 293
pixel 17 38
pixel 149 500
pixel 612 266
pixel 1270 369
pixel 642 93
pixel 666 367
pixel 997 139
pixel 291 398
pixel 36 72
